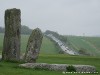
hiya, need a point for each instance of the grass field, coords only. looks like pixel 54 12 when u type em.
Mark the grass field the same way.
pixel 1 42
pixel 8 68
pixel 49 54
pixel 89 44
pixel 47 47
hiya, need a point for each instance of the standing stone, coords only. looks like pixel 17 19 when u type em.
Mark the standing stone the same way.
pixel 11 44
pixel 33 46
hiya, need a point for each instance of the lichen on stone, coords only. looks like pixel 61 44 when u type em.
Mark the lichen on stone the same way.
pixel 33 46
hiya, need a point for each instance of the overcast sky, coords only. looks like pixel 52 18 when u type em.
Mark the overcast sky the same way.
pixel 69 17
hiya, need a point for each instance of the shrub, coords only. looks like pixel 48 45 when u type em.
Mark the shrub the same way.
pixel 71 69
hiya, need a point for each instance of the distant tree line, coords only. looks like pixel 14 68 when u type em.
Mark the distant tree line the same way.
pixel 24 30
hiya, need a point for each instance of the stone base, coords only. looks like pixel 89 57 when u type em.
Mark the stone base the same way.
pixel 60 67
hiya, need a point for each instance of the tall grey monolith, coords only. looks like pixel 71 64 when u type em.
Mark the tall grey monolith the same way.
pixel 11 44
pixel 33 46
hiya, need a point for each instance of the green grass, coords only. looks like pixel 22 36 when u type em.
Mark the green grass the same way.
pixel 1 42
pixel 90 44
pixel 48 47
pixel 24 40
pixel 8 68
pixel 49 54
pixel 95 41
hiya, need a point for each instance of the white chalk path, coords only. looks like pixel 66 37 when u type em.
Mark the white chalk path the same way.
pixel 65 48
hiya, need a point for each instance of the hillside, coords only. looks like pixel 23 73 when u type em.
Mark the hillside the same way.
pixel 85 45
pixel 90 45
pixel 48 47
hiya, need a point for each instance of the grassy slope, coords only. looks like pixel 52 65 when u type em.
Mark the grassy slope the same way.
pixel 47 47
pixel 7 68
pixel 1 42
pixel 95 41
pixel 90 44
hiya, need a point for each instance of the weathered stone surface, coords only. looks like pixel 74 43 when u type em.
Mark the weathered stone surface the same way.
pixel 85 68
pixel 53 67
pixel 11 44
pixel 33 46
pixel 59 67
pixel 35 65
